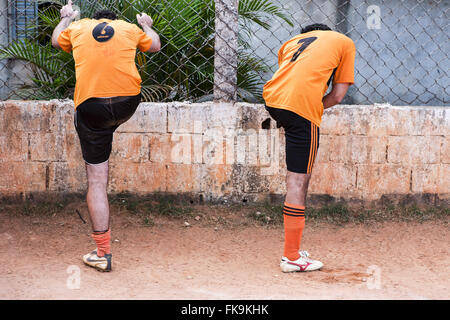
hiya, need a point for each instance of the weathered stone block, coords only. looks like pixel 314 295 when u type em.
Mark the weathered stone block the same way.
pixel 271 153
pixel 11 116
pixel 445 150
pixel 277 183
pixel 186 118
pixel 196 118
pixel 416 121
pixel 132 147
pixel 333 178
pixel 185 178
pixel 326 146
pixel 363 119
pixel 223 115
pixel 148 118
pixel 358 149
pixel 425 178
pixel 160 148
pixel 397 121
pixel 251 116
pixel 376 180
pixel 253 181
pixel 336 122
pixel 216 180
pixel 141 178
pixel 67 177
pixel 23 177
pixel 45 147
pixel 222 150
pixel 429 121
pixel 13 146
pixel 374 118
pixel 30 116
pixel 443 181
pixel 2 116
pixel 72 148
pixel 414 149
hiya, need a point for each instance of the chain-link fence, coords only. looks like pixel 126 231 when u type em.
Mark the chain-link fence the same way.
pixel 182 70
pixel 228 48
pixel 402 46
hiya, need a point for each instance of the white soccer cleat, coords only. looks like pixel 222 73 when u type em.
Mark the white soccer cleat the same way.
pixel 100 263
pixel 302 264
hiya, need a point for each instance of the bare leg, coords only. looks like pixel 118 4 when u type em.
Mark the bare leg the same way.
pixel 97 198
pixel 294 213
pixel 297 187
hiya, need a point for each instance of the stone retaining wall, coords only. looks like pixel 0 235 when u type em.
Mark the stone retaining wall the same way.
pixel 231 152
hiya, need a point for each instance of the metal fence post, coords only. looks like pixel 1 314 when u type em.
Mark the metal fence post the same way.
pixel 226 49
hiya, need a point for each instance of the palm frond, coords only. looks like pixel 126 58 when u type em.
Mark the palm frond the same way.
pixel 155 92
pixel 44 57
pixel 258 10
pixel 57 2
pixel 179 24
pixel 184 69
pixel 49 18
pixel 249 77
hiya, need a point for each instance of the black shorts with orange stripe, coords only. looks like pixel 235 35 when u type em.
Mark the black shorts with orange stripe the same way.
pixel 302 139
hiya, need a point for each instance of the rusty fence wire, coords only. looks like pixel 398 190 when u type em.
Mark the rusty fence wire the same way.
pixel 227 49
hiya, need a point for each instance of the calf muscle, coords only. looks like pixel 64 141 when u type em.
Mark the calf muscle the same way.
pixel 97 198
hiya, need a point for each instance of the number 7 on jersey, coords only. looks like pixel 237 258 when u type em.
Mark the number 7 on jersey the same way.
pixel 305 43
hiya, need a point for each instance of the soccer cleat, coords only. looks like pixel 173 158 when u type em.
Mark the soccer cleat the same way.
pixel 100 263
pixel 302 264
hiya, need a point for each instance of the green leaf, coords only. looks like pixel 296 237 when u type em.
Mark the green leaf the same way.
pixel 182 70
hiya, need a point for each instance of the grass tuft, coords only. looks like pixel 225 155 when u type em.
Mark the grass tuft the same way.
pixel 340 214
pixel 148 208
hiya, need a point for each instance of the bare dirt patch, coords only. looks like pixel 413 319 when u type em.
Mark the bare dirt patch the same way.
pixel 216 252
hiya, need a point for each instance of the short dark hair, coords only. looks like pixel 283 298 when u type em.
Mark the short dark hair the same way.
pixel 315 26
pixel 105 14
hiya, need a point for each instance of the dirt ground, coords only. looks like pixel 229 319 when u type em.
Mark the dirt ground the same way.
pixel 212 258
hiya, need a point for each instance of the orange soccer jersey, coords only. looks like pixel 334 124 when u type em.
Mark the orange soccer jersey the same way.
pixel 306 63
pixel 104 52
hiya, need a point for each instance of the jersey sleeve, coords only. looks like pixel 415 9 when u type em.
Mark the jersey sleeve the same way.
pixel 281 53
pixel 144 42
pixel 64 40
pixel 345 72
pixel 280 56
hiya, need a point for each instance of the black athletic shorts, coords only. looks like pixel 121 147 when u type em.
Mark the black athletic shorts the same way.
pixel 302 139
pixel 96 119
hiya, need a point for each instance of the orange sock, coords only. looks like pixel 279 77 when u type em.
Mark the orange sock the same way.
pixel 103 241
pixel 294 222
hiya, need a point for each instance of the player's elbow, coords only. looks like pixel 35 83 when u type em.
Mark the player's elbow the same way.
pixel 339 91
pixel 338 98
pixel 334 98
pixel 155 47
pixel 55 43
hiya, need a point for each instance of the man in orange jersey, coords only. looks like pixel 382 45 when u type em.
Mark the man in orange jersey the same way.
pixel 107 93
pixel 295 99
